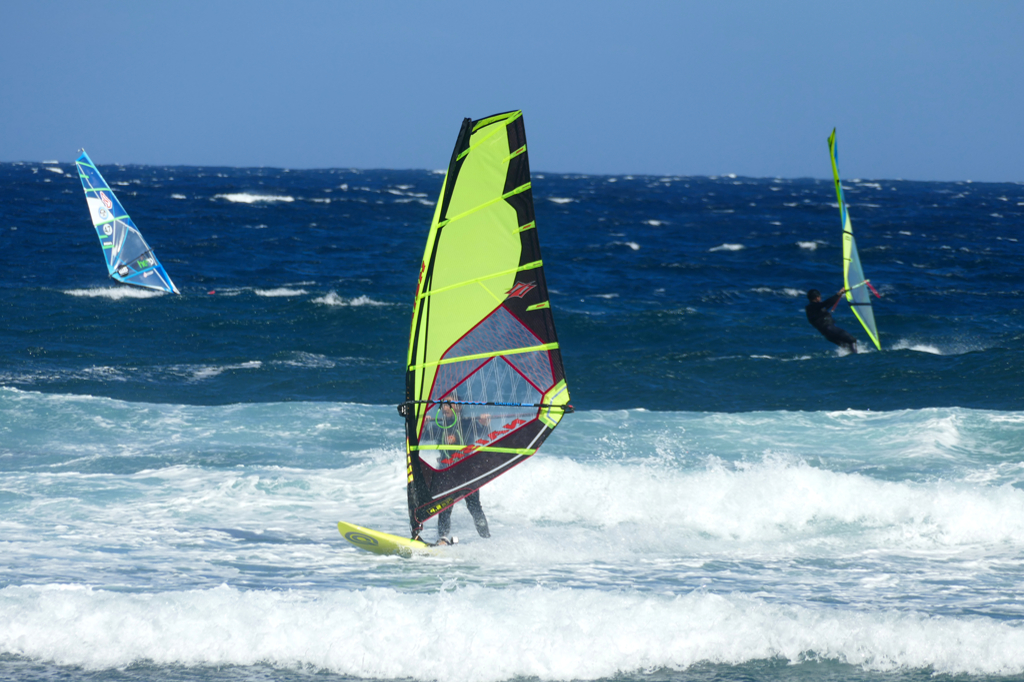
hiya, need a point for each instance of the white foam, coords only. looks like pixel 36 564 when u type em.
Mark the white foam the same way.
pixel 632 245
pixel 246 198
pixel 308 360
pixel 333 299
pixel 280 292
pixel 115 293
pixel 561 200
pixel 656 223
pixel 570 634
pixel 54 169
pixel 785 291
pixel 942 348
pixel 178 196
pixel 202 372
pixel 810 246
pixel 728 247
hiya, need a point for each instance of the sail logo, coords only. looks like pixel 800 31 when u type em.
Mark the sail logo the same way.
pixel 521 289
pixel 441 504
pixel 103 214
pixel 491 437
pixel 106 201
pixel 108 230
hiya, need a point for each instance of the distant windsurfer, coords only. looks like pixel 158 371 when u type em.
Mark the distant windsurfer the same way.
pixel 456 426
pixel 820 316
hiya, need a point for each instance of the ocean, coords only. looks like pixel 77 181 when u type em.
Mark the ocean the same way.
pixel 733 499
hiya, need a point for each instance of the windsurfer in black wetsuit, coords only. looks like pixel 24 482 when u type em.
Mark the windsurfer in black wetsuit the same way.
pixel 821 319
pixel 455 427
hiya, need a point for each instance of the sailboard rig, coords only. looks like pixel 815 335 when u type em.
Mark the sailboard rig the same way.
pixel 858 287
pixel 484 384
pixel 129 258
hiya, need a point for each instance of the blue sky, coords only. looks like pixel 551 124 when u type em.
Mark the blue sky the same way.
pixel 918 90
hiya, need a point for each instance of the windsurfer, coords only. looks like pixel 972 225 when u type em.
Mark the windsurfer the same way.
pixel 456 426
pixel 820 317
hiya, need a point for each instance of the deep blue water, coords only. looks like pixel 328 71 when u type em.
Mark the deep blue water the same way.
pixel 314 286
pixel 743 501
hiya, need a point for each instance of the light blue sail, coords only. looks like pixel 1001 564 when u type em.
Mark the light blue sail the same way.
pixel 129 258
pixel 857 285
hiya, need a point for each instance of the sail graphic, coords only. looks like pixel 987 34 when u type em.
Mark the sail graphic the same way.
pixel 129 258
pixel 484 382
pixel 858 288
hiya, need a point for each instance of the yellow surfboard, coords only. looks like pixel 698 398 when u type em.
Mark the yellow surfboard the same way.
pixel 382 543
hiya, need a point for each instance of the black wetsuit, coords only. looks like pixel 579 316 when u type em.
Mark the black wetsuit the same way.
pixel 821 319
pixel 476 510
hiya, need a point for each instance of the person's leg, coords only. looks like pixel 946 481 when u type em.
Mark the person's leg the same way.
pixel 841 338
pixel 477 512
pixel 444 523
pixel 849 342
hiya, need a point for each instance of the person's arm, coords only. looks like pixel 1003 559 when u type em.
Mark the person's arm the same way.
pixel 832 300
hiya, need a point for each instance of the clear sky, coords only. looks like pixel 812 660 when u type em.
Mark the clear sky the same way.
pixel 918 90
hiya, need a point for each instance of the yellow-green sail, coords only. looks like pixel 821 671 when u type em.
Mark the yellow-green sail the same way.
pixel 484 382
pixel 857 286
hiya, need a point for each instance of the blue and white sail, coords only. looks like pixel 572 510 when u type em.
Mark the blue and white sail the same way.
pixel 129 258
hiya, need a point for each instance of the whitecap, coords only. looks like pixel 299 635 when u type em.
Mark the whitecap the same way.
pixel 655 223
pixel 332 298
pixel 728 247
pixel 280 291
pixel 307 360
pixel 561 200
pixel 955 348
pixel 201 372
pixel 178 196
pixel 632 245
pixel 810 246
pixel 54 169
pixel 246 198
pixel 115 293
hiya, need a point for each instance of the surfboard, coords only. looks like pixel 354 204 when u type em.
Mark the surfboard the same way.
pixel 382 543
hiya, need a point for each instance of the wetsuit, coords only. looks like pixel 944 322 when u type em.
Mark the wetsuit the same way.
pixel 821 319
pixel 476 510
